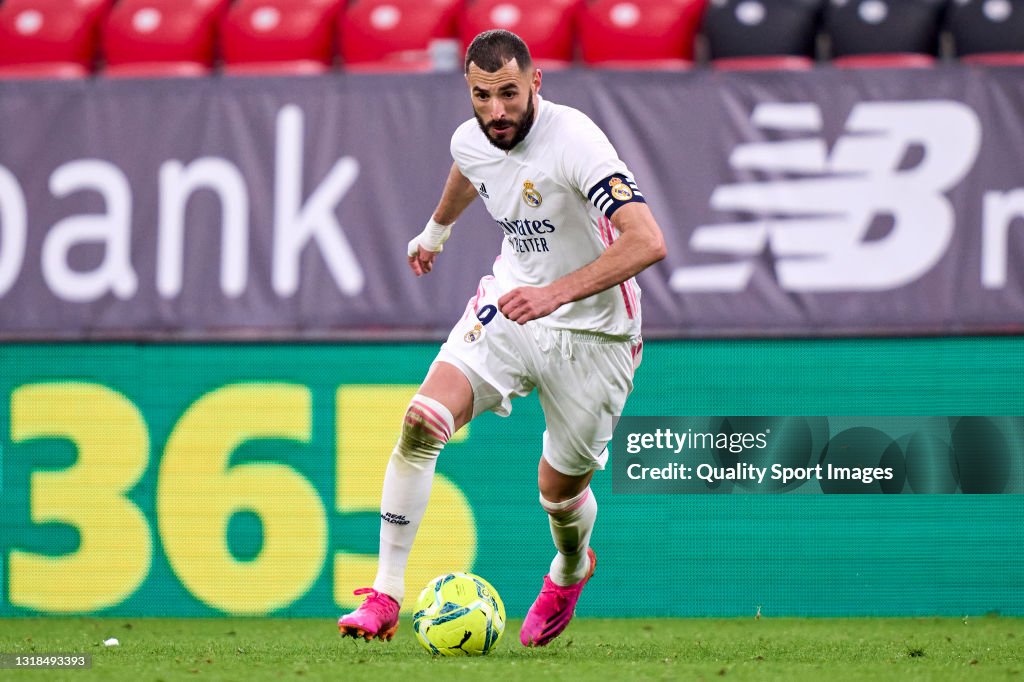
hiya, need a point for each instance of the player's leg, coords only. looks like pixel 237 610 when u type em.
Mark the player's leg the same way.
pixel 580 394
pixel 475 371
pixel 572 511
pixel 443 405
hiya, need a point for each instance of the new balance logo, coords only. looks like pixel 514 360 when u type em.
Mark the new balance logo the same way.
pixel 887 175
pixel 483 191
pixel 397 519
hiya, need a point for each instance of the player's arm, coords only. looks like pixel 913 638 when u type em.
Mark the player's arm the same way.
pixel 457 195
pixel 639 245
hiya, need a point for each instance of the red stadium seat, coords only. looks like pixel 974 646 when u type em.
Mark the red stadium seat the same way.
pixel 774 30
pixel 396 35
pixel 647 34
pixel 767 63
pixel 987 32
pixel 161 37
pixel 547 26
pixel 49 38
pixel 885 61
pixel 279 36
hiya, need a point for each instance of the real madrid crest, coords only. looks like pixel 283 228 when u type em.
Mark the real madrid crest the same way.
pixel 620 190
pixel 531 196
pixel 474 334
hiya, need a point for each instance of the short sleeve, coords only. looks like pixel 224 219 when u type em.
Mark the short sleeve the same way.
pixel 459 144
pixel 587 155
pixel 592 166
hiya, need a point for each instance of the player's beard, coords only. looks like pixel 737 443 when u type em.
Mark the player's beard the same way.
pixel 522 127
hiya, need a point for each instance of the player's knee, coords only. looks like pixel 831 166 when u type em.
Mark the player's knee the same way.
pixel 555 492
pixel 556 487
pixel 426 429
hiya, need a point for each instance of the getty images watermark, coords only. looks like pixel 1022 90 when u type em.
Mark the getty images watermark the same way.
pixel 732 443
pixel 948 454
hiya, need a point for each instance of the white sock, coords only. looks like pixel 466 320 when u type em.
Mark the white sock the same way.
pixel 407 480
pixel 571 524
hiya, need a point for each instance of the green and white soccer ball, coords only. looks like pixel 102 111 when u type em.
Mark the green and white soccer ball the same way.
pixel 459 614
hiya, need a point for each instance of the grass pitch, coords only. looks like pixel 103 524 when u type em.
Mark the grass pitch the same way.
pixel 598 650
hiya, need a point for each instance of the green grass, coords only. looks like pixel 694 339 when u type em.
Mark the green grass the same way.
pixel 594 650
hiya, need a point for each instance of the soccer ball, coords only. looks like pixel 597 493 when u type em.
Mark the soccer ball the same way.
pixel 459 614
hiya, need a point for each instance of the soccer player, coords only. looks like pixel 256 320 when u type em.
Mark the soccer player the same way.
pixel 560 314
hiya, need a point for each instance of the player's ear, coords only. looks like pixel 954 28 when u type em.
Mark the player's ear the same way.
pixel 536 80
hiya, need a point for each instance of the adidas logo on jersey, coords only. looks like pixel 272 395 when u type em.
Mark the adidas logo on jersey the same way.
pixel 483 191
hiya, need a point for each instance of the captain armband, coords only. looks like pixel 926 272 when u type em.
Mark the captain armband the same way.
pixel 615 191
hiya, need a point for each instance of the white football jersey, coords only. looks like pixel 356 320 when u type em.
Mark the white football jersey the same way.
pixel 538 195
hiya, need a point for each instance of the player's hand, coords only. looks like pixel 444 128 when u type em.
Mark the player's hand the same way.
pixel 523 304
pixel 423 261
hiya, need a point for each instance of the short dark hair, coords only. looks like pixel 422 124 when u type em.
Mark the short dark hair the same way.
pixel 492 49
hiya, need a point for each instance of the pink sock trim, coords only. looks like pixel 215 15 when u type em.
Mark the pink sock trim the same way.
pixel 434 415
pixel 427 422
pixel 559 508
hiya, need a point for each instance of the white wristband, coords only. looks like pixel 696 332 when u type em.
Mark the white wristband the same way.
pixel 432 238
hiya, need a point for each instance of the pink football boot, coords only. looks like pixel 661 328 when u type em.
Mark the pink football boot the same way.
pixel 553 610
pixel 376 617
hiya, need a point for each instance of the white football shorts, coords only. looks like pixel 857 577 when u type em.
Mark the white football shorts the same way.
pixel 582 378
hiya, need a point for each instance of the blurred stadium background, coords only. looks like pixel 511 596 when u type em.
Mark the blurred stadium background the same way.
pixel 209 333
